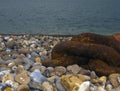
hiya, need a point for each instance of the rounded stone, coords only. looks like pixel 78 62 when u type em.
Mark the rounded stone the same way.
pixel 20 69
pixel 109 87
pixel 36 76
pixel 69 81
pixel 73 69
pixel 114 80
pixel 60 70
pixel 12 84
pixel 7 77
pixel 22 78
pixel 23 88
pixel 11 64
pixel 38 60
pixel 103 79
pixel 47 86
pixel 8 89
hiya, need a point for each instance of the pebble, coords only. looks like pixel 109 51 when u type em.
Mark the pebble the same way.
pixel 8 89
pixel 114 80
pixel 21 68
pixel 47 86
pixel 23 88
pixel 22 78
pixel 36 76
pixel 74 69
pixel 60 70
pixel 85 86
pixel 12 84
pixel 59 85
pixel 7 77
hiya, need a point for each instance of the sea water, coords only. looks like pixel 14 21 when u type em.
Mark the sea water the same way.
pixel 59 16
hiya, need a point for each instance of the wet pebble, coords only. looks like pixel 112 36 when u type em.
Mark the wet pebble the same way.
pixel 36 76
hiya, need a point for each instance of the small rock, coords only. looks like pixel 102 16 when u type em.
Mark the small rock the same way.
pixel 23 88
pixel 60 70
pixel 85 86
pixel 10 65
pixel 103 79
pixel 47 86
pixel 109 87
pixel 38 60
pixel 49 72
pixel 83 77
pixel 34 86
pixel 93 75
pixel 36 76
pixel 4 72
pixel 52 79
pixel 20 69
pixel 73 69
pixel 58 84
pixel 8 89
pixel 22 78
pixel 12 84
pixel 7 77
pixel 69 81
pixel 114 80
pixel 100 89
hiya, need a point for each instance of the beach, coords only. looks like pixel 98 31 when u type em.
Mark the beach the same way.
pixel 21 67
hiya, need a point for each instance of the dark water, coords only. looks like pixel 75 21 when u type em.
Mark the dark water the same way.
pixel 59 16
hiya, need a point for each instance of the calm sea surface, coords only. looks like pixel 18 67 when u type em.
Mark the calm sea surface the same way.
pixel 59 16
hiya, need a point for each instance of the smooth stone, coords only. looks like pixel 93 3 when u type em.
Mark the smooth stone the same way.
pixel 13 84
pixel 10 65
pixel 53 79
pixel 93 87
pixel 114 80
pixel 37 60
pixel 2 87
pixel 85 86
pixel 20 69
pixel 35 67
pixel 22 78
pixel 109 87
pixel 100 89
pixel 34 54
pixel 4 72
pixel 36 76
pixel 6 77
pixel 47 86
pixel 44 52
pixel 93 75
pixel 49 72
pixel 19 60
pixel 69 81
pixel 59 85
pixel 73 69
pixel 34 86
pixel 84 72
pixel 83 77
pixel 42 69
pixel 28 61
pixel 23 88
pixel 8 89
pixel 103 79
pixel 39 67
pixel 60 70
